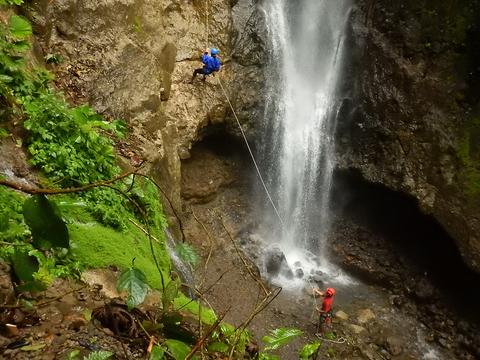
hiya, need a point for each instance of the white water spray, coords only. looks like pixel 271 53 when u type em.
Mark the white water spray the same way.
pixel 307 47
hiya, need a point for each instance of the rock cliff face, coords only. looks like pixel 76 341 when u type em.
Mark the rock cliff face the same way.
pixel 411 110
pixel 410 115
pixel 132 59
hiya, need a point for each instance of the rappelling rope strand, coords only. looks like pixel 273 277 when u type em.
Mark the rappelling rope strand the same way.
pixel 251 154
pixel 206 24
pixel 315 304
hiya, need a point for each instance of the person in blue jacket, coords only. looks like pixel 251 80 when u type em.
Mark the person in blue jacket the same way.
pixel 211 64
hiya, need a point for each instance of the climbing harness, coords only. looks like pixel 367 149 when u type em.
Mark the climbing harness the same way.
pixel 251 154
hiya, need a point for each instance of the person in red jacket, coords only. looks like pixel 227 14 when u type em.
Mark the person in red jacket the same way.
pixel 326 313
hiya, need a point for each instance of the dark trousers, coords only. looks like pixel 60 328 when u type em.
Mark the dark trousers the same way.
pixel 200 71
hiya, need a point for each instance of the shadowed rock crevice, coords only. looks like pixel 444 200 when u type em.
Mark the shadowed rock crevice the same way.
pixel 217 161
pixel 382 236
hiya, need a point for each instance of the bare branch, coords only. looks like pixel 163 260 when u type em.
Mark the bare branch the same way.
pixel 33 191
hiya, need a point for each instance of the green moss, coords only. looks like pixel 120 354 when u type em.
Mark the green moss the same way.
pixel 98 246
pixel 469 154
pixel 186 304
pixel 445 24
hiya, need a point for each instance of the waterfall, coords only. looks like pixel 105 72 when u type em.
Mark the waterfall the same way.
pixel 306 51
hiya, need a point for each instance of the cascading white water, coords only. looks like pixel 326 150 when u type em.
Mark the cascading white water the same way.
pixel 306 61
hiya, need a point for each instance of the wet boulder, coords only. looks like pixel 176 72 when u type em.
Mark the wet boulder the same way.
pixel 394 345
pixel 299 273
pixel 317 278
pixel 365 316
pixel 276 263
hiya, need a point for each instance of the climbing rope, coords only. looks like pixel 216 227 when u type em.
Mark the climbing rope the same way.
pixel 251 154
pixel 315 304
pixel 238 122
pixel 206 24
pixel 340 340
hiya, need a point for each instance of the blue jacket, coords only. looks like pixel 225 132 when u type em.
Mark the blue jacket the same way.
pixel 212 63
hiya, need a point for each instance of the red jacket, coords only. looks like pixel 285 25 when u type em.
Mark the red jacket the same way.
pixel 327 304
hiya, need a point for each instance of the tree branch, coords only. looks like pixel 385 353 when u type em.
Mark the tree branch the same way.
pixel 34 191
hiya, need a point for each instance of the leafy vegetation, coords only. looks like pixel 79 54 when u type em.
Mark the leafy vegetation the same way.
pixel 99 355
pixel 310 350
pixel 11 2
pixel 23 224
pixel 73 146
pixel 134 282
pixel 12 224
pixel 280 337
pixel 178 349
pixel 45 223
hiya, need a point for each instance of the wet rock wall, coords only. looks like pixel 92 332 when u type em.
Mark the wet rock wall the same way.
pixel 410 108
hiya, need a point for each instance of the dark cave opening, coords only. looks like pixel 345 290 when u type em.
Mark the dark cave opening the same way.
pixel 217 161
pixel 424 248
pixel 220 142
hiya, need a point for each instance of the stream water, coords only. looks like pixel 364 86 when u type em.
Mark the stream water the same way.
pixel 307 51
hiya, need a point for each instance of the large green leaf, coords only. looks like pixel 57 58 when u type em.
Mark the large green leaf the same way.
pixel 158 353
pixel 134 282
pixel 24 265
pixel 20 27
pixel 178 349
pixel 99 355
pixel 47 227
pixel 309 350
pixel 11 2
pixel 187 253
pixel 267 356
pixel 280 337
pixel 207 316
pixel 218 346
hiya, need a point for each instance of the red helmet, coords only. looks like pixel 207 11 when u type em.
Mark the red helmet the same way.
pixel 330 291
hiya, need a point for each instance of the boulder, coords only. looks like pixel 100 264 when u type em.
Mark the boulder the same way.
pixel 341 315
pixel 317 279
pixel 276 263
pixel 299 273
pixel 356 329
pixel 365 316
pixel 394 345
